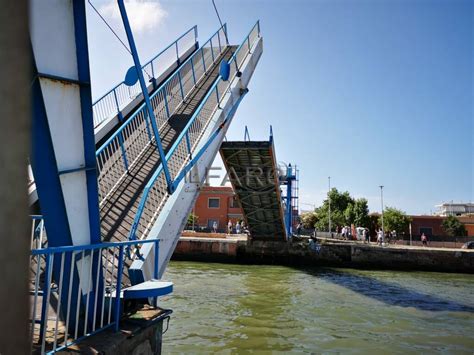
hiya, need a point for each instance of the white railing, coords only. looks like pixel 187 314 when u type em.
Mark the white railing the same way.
pixel 125 146
pixel 115 100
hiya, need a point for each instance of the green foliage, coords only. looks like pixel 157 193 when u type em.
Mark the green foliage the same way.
pixel 453 227
pixel 395 220
pixel 344 211
pixel 309 219
pixel 358 213
pixel 192 218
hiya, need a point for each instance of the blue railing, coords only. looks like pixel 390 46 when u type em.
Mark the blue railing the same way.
pixel 85 282
pixel 187 141
pixel 127 143
pixel 38 234
pixel 112 103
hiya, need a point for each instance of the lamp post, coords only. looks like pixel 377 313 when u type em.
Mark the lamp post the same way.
pixel 329 201
pixel 381 200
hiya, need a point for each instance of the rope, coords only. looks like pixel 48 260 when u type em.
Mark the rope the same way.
pixel 115 33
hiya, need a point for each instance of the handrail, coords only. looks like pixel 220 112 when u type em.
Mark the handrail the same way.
pixel 69 248
pixel 114 155
pixel 115 100
pixel 162 86
pixel 100 267
pixel 183 134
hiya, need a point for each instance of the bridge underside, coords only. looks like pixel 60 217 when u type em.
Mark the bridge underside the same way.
pixel 253 172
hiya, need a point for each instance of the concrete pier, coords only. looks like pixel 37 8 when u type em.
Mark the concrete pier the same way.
pixel 140 334
pixel 325 252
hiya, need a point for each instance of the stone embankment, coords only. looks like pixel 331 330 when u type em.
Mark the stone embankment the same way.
pixel 324 252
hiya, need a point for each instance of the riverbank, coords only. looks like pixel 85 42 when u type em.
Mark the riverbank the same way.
pixel 326 252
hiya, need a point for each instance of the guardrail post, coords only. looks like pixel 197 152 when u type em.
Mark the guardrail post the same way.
pixel 121 141
pixel 45 300
pixel 203 61
pixel 225 32
pixel 157 252
pixel 192 68
pixel 153 80
pixel 219 40
pixel 188 144
pixel 118 289
pixel 151 115
pixel 155 269
pixel 218 99
pixel 212 51
pixel 166 103
pixel 116 101
pixel 177 53
pixel 180 84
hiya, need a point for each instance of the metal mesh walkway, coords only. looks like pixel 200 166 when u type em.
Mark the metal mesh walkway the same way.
pixel 118 209
pixel 253 172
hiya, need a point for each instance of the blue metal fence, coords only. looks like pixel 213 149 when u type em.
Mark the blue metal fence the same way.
pixel 62 311
pixel 153 197
pixel 126 145
pixel 111 103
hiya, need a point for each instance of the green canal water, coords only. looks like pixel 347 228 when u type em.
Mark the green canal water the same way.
pixel 275 309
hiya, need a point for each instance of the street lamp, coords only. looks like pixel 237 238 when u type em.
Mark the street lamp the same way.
pixel 381 200
pixel 329 200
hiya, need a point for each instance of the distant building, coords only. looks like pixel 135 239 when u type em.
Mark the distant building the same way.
pixel 220 204
pixel 433 225
pixel 454 209
pixel 217 204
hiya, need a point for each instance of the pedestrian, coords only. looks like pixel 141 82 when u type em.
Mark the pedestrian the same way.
pixel 237 227
pixel 229 227
pixel 367 235
pixel 344 231
pixel 214 226
pixel 380 237
pixel 424 240
pixel 298 229
pixel 364 235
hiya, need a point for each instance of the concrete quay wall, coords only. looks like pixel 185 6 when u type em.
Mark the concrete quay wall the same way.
pixel 325 253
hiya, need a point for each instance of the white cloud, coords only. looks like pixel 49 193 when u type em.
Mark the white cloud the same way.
pixel 144 15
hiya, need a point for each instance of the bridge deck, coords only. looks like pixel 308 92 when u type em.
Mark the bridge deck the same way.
pixel 120 207
pixel 253 173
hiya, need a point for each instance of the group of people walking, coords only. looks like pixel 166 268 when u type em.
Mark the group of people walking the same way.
pixel 239 227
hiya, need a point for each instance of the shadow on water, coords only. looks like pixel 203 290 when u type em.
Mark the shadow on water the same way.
pixel 389 293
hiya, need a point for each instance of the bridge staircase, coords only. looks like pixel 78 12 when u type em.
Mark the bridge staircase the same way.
pixel 254 174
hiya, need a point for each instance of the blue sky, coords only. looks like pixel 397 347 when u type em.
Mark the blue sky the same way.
pixel 368 92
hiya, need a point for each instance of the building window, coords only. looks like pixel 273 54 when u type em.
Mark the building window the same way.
pixel 234 203
pixel 428 231
pixel 213 202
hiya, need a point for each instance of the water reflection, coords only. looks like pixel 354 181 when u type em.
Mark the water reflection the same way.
pixel 390 293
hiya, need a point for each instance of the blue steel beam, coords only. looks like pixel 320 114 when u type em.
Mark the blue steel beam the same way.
pixel 151 115
pixel 80 31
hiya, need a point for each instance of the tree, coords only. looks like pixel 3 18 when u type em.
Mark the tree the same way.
pixel 309 219
pixel 395 220
pixel 339 204
pixel 192 220
pixel 453 227
pixel 357 213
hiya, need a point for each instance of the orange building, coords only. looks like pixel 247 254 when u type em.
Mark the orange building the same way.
pixel 432 225
pixel 217 204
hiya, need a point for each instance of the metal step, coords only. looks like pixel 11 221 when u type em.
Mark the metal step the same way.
pixel 148 289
